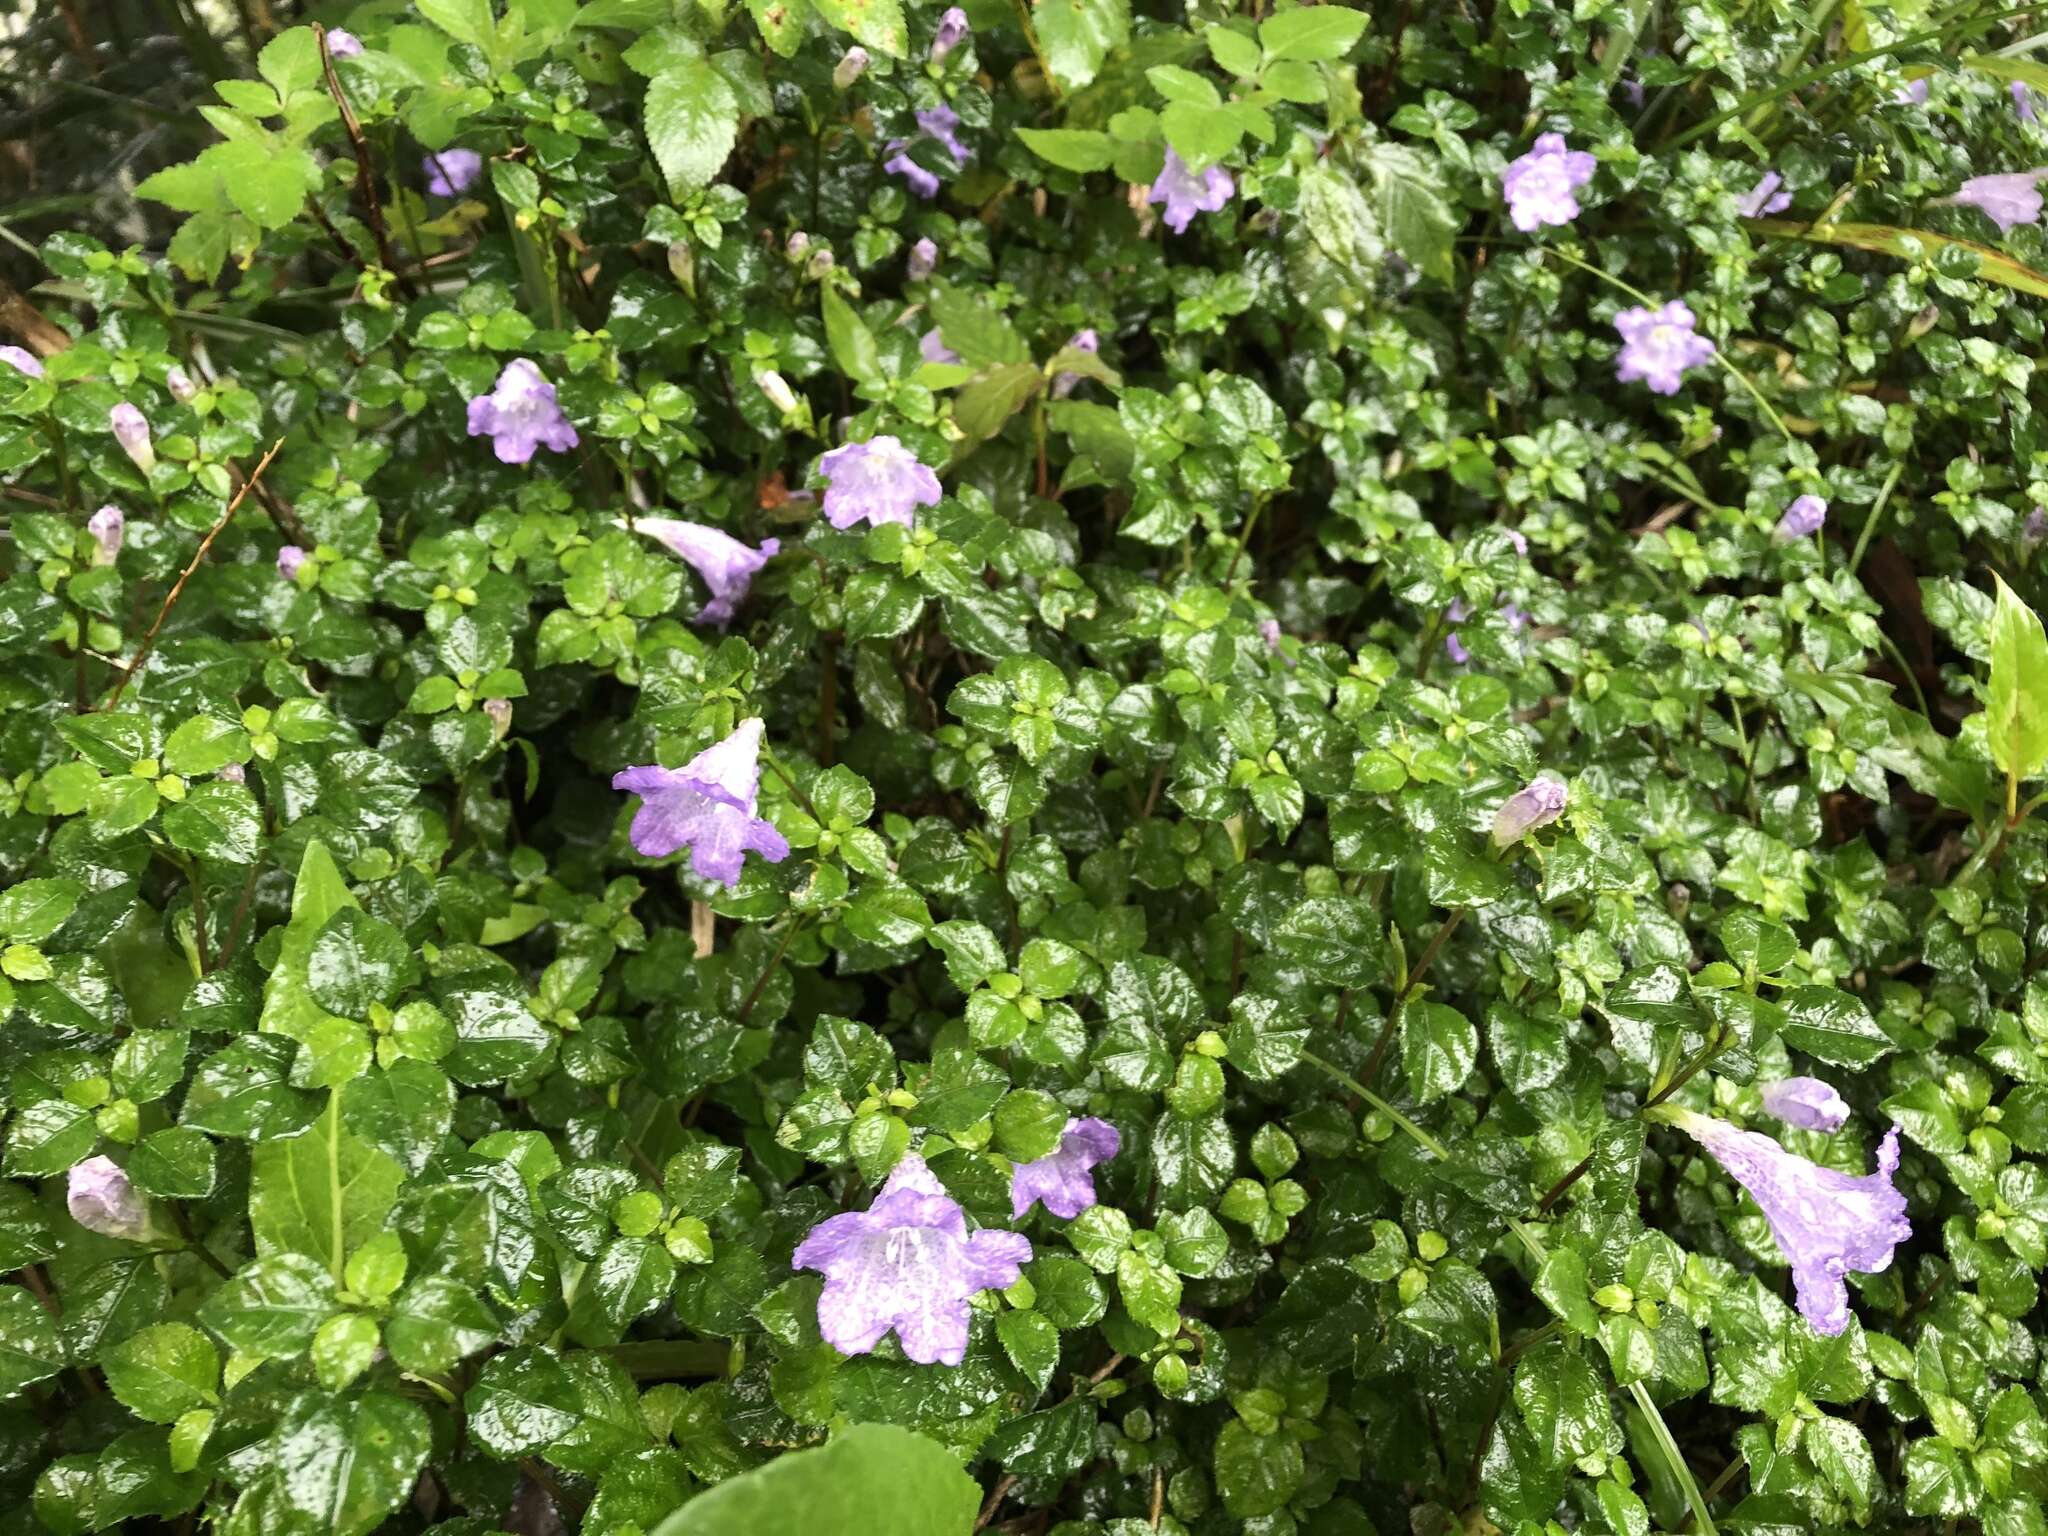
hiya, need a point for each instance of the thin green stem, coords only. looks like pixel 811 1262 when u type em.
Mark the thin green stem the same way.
pixel 1884 494
pixel 1754 393
pixel 1661 1432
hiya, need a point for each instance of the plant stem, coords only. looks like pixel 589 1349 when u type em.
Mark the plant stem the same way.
pixel 1876 512
pixel 1661 1432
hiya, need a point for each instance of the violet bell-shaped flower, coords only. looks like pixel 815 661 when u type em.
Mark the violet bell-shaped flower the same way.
pixel 180 384
pixel 107 527
pixel 931 346
pixel 1802 520
pixel 1827 1224
pixel 22 361
pixel 707 806
pixel 520 415
pixel 1186 194
pixel 1764 198
pixel 1063 1181
pixel 924 260
pixel 102 1200
pixel 1539 185
pixel 450 172
pixel 951 34
pixel 131 431
pixel 878 481
pixel 1537 804
pixel 1659 345
pixel 1806 1102
pixel 907 1263
pixel 941 124
pixel 2008 200
pixel 289 559
pixel 727 566
pixel 343 45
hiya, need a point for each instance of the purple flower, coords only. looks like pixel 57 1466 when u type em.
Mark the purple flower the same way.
pixel 1064 383
pixel 1826 1223
pixel 924 259
pixel 1454 648
pixel 289 559
pixel 1269 631
pixel 1802 520
pixel 343 45
pixel 1061 1181
pixel 103 1201
pixel 499 713
pixel 951 34
pixel 2023 102
pixel 920 181
pixel 1516 616
pixel 933 349
pixel 1517 538
pixel 727 565
pixel 1764 197
pixel 521 415
pixel 1806 1102
pixel 1539 186
pixel 909 1263
pixel 2008 201
pixel 179 382
pixel 22 361
pixel 1537 804
pixel 131 431
pixel 706 806
pixel 106 527
pixel 2035 529
pixel 1658 345
pixel 878 481
pixel 450 171
pixel 232 773
pixel 942 124
pixel 851 66
pixel 1913 93
pixel 1186 194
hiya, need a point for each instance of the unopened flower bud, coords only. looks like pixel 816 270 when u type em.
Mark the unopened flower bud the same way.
pixel 924 259
pixel 289 559
pixel 106 527
pixel 131 431
pixel 232 773
pixel 820 263
pixel 1537 804
pixel 797 244
pixel 951 34
pixel 179 382
pixel 500 713
pixel 103 1201
pixel 342 45
pixel 852 65
pixel 777 389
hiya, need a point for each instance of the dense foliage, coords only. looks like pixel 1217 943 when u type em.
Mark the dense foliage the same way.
pixel 1327 726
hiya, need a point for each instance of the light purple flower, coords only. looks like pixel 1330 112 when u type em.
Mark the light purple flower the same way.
pixel 942 125
pixel 1517 617
pixel 916 177
pixel 1454 647
pixel 2008 201
pixel 103 1201
pixel 22 360
pixel 1802 520
pixel 1539 185
pixel 933 349
pixel 1062 1180
pixel 1537 804
pixel 450 171
pixel 106 527
pixel 2035 529
pixel 706 806
pixel 343 45
pixel 909 1263
pixel 2023 102
pixel 1064 382
pixel 851 66
pixel 1913 93
pixel 727 565
pixel 878 481
pixel 180 384
pixel 1519 539
pixel 499 713
pixel 951 34
pixel 1269 631
pixel 797 244
pixel 521 414
pixel 1764 198
pixel 289 559
pixel 131 431
pixel 1186 194
pixel 1806 1102
pixel 232 773
pixel 924 260
pixel 1658 345
pixel 1826 1223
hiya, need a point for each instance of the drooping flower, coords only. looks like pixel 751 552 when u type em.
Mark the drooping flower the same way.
pixel 1802 520
pixel 343 45
pixel 1913 93
pixel 107 526
pixel 706 806
pixel 22 360
pixel 924 260
pixel 916 177
pixel 131 431
pixel 521 414
pixel 1539 185
pixel 951 34
pixel 1659 345
pixel 941 124
pixel 1063 1181
pixel 878 481
pixel 1536 804
pixel 1806 1102
pixel 1764 198
pixel 102 1200
pixel 1826 1223
pixel 931 346
pixel 909 1263
pixel 180 384
pixel 727 565
pixel 1186 194
pixel 289 559
pixel 451 171
pixel 2023 102
pixel 851 66
pixel 2007 200
pixel 1064 382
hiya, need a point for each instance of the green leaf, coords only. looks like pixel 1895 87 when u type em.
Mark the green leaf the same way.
pixel 163 1372
pixel 853 344
pixel 871 1480
pixel 356 961
pixel 321 1193
pixel 1911 245
pixel 1439 1047
pixel 272 1307
pixel 1317 32
pixel 29 1348
pixel 988 401
pixel 878 24
pixel 781 23
pixel 1071 149
pixel 349 1462
pixel 1256 1474
pixel 1833 1026
pixel 1077 35
pixel 467 21
pixel 692 119
pixel 1199 135
pixel 31 910
pixel 2016 713
pixel 435 1324
pixel 1409 193
pixel 49 1136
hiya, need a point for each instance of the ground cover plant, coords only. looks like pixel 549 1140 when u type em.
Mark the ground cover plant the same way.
pixel 1065 767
